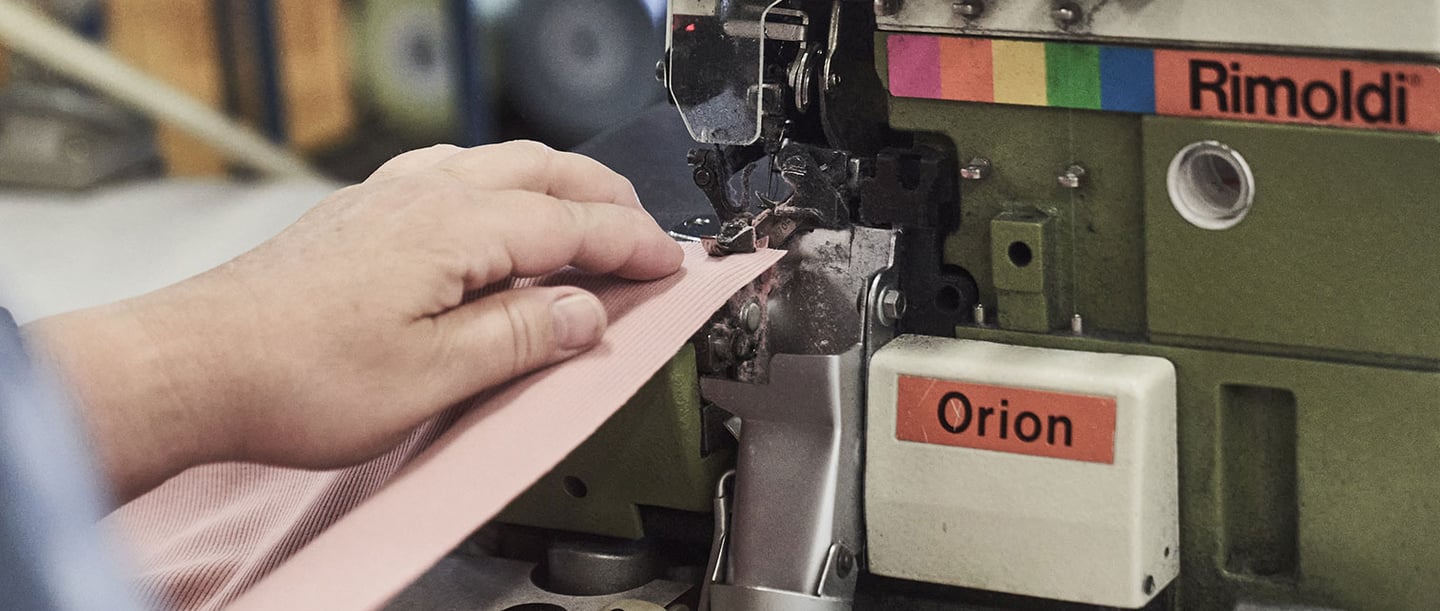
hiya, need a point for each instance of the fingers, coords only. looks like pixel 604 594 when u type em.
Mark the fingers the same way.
pixel 418 160
pixel 532 166
pixel 540 234
pixel 519 165
pixel 505 335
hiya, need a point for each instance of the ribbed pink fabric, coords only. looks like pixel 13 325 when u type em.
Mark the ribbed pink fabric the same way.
pixel 360 535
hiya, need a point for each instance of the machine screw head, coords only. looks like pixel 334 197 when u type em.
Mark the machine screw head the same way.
pixel 660 70
pixel 1066 14
pixel 1073 177
pixel 704 177
pixel 977 169
pixel 892 307
pixel 751 316
pixel 969 9
pixel 886 8
pixel 844 562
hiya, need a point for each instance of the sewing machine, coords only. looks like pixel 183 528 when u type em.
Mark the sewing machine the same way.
pixel 1089 304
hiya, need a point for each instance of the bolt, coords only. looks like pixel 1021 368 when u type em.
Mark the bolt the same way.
pixel 1077 325
pixel 978 314
pixel 720 343
pixel 844 562
pixel 969 9
pixel 977 169
pixel 660 71
pixel 892 307
pixel 834 80
pixel 1073 178
pixel 886 8
pixel 1066 14
pixel 751 315
pixel 704 178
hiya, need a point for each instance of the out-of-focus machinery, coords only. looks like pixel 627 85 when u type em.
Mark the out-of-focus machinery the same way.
pixel 1089 304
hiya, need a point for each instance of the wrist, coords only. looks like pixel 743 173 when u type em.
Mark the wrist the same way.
pixel 141 375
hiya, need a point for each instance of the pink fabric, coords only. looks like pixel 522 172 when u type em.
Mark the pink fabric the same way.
pixel 352 539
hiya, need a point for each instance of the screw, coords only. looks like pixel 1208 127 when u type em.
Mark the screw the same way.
pixel 1066 14
pixel 834 80
pixel 892 307
pixel 1073 178
pixel 844 562
pixel 660 71
pixel 886 8
pixel 720 343
pixel 704 178
pixel 977 169
pixel 751 315
pixel 969 9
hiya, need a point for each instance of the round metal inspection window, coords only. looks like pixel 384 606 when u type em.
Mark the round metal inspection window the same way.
pixel 1211 185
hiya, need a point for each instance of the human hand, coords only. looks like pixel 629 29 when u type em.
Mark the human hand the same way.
pixel 325 345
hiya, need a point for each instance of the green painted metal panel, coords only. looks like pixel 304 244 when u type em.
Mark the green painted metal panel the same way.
pixel 1338 252
pixel 1365 495
pixel 1098 228
pixel 648 453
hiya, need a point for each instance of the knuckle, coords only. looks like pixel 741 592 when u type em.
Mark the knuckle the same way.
pixel 529 337
pixel 534 158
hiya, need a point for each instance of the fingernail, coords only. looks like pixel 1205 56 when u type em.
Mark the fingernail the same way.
pixel 578 321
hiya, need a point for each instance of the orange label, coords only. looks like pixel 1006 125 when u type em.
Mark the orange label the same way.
pixel 1003 419
pixel 1283 89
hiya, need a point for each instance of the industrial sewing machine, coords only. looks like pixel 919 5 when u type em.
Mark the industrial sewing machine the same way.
pixel 1089 304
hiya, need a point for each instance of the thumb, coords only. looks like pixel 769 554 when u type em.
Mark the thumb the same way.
pixel 508 334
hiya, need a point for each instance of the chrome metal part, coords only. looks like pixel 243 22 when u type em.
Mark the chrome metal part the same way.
pixel 717 568
pixel 838 578
pixel 800 443
pixel 813 306
pixel 969 9
pixel 695 228
pixel 751 315
pixel 716 62
pixel 979 314
pixel 1073 177
pixel 831 79
pixel 483 583
pixel 1077 324
pixel 1067 14
pixel 877 333
pixel 892 306
pixel 766 599
pixel 977 169
pixel 814 413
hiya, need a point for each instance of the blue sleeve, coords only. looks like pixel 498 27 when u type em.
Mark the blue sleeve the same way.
pixel 52 554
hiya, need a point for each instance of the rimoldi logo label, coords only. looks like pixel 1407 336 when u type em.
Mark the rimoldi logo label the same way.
pixel 1237 86
pixel 1003 419
pixel 1282 89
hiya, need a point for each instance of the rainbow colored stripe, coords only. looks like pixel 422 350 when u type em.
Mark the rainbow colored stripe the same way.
pixel 1064 75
